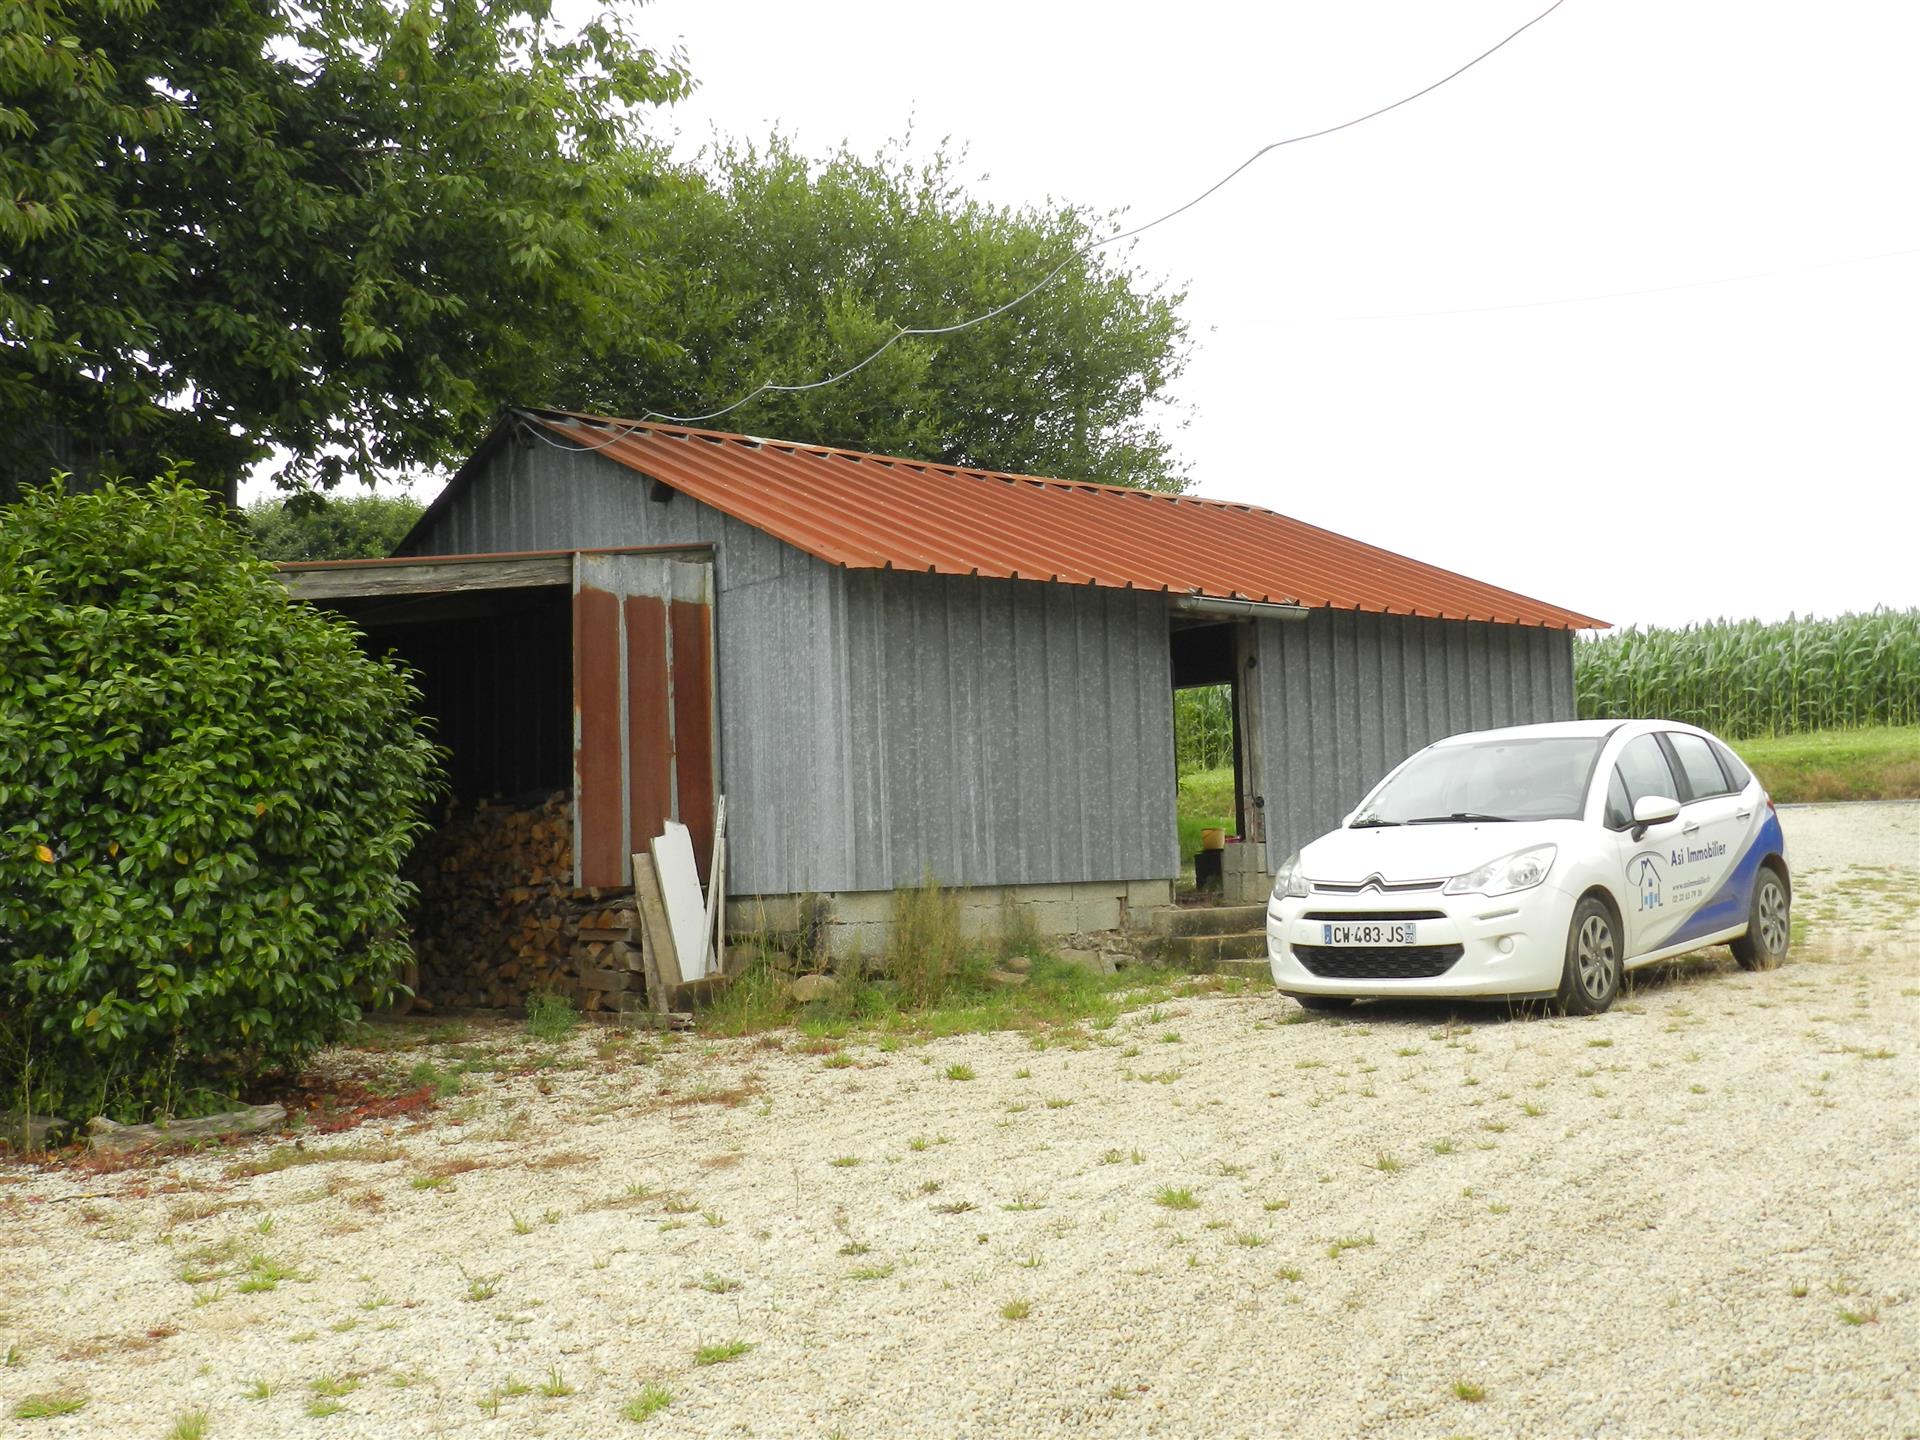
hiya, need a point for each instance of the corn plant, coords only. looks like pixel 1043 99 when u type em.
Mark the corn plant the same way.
pixel 1745 678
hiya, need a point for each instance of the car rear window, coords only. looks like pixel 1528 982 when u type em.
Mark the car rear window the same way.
pixel 1704 776
pixel 1731 763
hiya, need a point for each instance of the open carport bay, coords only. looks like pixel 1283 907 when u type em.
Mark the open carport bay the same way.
pixel 1690 1216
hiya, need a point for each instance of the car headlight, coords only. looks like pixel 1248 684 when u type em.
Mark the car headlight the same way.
pixel 1290 883
pixel 1522 870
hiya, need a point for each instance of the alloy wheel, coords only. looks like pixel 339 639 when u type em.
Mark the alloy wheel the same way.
pixel 1597 956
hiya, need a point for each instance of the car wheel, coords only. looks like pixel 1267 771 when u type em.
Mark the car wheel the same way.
pixel 1324 1002
pixel 1769 924
pixel 1591 976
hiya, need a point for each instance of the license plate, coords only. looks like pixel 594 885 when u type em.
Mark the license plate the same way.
pixel 1371 932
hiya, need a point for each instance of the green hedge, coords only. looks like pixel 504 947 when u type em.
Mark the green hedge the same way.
pixel 206 793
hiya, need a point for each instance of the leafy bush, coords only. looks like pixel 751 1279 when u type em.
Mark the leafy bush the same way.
pixel 206 792
pixel 318 527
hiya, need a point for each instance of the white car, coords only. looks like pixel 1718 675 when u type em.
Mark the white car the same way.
pixel 1538 862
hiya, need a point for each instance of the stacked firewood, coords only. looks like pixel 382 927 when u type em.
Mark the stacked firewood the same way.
pixel 609 957
pixel 496 918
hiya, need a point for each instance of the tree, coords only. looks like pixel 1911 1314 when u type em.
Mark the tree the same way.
pixel 777 269
pixel 314 527
pixel 206 794
pixel 349 229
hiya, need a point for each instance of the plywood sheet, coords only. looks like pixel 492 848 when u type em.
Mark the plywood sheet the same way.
pixel 680 890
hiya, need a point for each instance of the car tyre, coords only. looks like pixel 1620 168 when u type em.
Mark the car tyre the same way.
pixel 1769 924
pixel 1324 1002
pixel 1590 979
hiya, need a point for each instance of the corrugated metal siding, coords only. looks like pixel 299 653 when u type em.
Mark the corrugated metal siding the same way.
pixel 779 646
pixel 1007 732
pixel 1345 697
pixel 877 723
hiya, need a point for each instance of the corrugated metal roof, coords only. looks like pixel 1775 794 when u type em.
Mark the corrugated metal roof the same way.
pixel 874 512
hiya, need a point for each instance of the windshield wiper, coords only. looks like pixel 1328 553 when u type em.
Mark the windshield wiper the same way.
pixel 1371 822
pixel 1461 817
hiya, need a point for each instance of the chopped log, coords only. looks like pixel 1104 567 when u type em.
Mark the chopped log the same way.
pixel 106 1137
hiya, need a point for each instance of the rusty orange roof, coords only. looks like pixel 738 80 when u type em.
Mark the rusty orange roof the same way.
pixel 874 512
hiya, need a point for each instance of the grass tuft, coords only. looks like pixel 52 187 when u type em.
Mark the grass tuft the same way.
pixel 720 1353
pixel 550 1016
pixel 648 1403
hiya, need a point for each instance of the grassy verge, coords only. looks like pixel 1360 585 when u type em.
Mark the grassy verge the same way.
pixel 1879 763
pixel 936 980
pixel 1055 996
pixel 1205 801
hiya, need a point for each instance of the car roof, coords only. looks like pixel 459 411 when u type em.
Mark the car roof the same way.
pixel 1568 730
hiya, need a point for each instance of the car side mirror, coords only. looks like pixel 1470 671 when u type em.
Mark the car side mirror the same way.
pixel 1653 810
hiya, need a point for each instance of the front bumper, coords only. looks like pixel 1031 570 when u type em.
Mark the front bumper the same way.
pixel 1510 945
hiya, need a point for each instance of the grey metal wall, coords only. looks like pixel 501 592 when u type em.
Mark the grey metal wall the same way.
pixel 1344 697
pixel 778 637
pixel 874 724
pixel 1008 732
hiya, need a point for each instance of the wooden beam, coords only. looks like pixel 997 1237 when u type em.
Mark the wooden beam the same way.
pixel 427 577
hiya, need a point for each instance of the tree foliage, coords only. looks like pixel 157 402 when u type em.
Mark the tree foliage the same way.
pixel 777 269
pixel 347 228
pixel 206 793
pixel 336 527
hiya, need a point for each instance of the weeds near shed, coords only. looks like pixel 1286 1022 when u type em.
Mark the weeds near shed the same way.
pixel 1016 1310
pixel 1175 1198
pixel 1466 1390
pixel 926 950
pixel 550 1016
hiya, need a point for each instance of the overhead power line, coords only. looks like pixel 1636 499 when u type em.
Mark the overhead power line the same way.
pixel 768 387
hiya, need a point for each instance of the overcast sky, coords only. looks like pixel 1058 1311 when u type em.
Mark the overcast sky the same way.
pixel 1612 319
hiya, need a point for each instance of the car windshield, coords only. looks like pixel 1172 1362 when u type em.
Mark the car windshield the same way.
pixel 1525 779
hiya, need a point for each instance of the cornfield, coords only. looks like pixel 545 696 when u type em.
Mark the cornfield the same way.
pixel 1743 679
pixel 1202 728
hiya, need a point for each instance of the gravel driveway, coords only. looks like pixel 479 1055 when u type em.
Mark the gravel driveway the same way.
pixel 1692 1216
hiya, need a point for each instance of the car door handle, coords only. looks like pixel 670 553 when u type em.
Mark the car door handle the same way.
pixel 1743 814
pixel 1692 827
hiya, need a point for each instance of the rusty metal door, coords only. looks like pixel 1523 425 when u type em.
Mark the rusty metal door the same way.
pixel 645 739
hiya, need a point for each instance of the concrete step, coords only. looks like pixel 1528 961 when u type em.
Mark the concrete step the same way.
pixel 1178 920
pixel 1205 952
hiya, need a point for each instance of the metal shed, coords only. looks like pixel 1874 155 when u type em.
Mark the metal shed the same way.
pixel 922 669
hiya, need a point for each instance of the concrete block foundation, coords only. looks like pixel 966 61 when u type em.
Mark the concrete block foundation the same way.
pixel 850 923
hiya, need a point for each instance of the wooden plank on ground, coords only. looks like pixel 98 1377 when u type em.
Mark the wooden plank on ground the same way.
pixel 716 879
pixel 660 959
